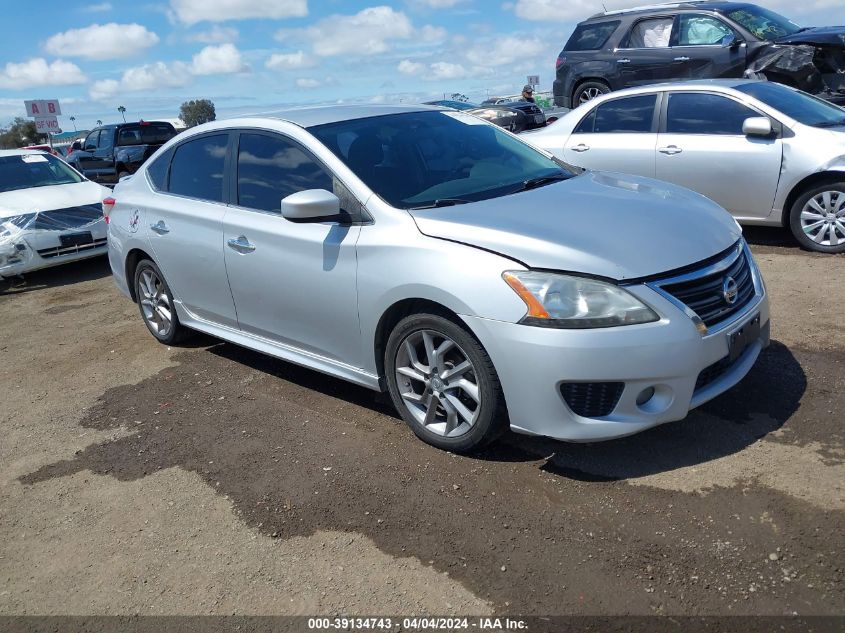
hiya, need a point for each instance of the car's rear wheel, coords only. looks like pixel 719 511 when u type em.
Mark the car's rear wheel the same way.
pixel 443 383
pixel 156 304
pixel 817 218
pixel 588 91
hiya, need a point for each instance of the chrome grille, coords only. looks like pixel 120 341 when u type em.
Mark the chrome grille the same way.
pixel 60 251
pixel 704 293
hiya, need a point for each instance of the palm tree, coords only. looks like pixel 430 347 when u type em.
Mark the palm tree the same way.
pixel 99 122
pixel 122 110
pixel 73 120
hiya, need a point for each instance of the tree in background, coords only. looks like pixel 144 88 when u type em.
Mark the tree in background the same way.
pixel 197 112
pixel 21 132
pixel 122 111
pixel 458 96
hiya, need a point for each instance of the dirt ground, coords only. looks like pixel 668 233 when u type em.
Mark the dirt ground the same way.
pixel 208 479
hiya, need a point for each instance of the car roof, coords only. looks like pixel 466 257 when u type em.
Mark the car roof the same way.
pixel 691 85
pixel 19 152
pixel 319 115
pixel 707 5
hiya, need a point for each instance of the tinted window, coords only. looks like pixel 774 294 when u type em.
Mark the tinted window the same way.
pixel 418 158
pixel 702 30
pixel 654 33
pixel 145 134
pixel 629 115
pixel 34 170
pixel 106 138
pixel 197 168
pixel 158 169
pixel 691 113
pixel 271 168
pixel 91 140
pixel 591 37
pixel 798 105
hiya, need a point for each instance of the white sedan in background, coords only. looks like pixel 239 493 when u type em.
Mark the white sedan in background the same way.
pixel 769 154
pixel 49 213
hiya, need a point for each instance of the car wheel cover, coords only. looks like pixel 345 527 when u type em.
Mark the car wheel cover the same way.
pixel 155 303
pixel 589 94
pixel 438 383
pixel 823 218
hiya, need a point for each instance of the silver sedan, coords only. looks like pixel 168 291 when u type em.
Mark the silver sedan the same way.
pixel 769 154
pixel 435 256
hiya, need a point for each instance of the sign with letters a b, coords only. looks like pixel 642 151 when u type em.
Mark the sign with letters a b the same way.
pixel 43 108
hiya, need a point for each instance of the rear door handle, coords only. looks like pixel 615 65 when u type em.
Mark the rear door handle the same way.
pixel 670 150
pixel 682 59
pixel 624 60
pixel 160 227
pixel 241 244
pixel 580 148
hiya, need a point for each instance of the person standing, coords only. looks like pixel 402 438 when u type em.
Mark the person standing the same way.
pixel 528 93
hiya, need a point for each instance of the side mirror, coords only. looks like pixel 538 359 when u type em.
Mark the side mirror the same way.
pixel 731 41
pixel 311 205
pixel 90 147
pixel 757 126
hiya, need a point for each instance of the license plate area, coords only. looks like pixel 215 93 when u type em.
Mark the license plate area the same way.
pixel 539 118
pixel 76 239
pixel 740 339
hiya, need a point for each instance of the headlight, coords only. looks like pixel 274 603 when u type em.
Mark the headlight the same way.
pixel 563 301
pixel 496 114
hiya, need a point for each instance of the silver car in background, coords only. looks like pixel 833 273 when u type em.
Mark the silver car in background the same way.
pixel 769 154
pixel 430 254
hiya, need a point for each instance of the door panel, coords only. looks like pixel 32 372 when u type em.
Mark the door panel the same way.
pixel 646 57
pixel 707 48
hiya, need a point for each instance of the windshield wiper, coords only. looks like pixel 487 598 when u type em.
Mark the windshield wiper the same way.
pixel 540 181
pixel 441 202
pixel 838 123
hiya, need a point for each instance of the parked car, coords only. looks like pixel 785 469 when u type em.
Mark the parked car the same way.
pixel 111 152
pixel 697 40
pixel 430 254
pixel 49 213
pixel 44 148
pixel 516 116
pixel 769 154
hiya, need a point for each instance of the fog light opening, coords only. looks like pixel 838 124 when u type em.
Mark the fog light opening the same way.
pixel 644 396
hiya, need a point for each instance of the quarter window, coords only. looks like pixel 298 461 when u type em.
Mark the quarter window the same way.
pixel 271 168
pixel 654 33
pixel 620 116
pixel 702 30
pixel 158 169
pixel 702 113
pixel 197 168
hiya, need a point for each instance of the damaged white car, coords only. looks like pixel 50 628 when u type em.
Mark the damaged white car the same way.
pixel 49 213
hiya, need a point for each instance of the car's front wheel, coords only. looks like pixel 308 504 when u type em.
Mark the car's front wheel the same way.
pixel 443 383
pixel 817 218
pixel 156 304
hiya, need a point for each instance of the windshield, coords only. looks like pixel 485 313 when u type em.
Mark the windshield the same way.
pixel 762 23
pixel 25 171
pixel 422 159
pixel 798 105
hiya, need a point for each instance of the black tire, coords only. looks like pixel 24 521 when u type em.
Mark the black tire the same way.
pixel 588 91
pixel 491 418
pixel 122 174
pixel 176 332
pixel 836 220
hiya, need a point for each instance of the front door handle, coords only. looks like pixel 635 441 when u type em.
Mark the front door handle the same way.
pixel 241 244
pixel 580 148
pixel 682 59
pixel 671 150
pixel 160 227
pixel 624 60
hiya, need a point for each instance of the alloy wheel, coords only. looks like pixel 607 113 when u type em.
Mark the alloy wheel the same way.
pixel 589 94
pixel 155 303
pixel 823 218
pixel 438 383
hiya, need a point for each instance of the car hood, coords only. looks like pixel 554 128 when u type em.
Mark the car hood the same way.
pixel 817 36
pixel 24 201
pixel 610 225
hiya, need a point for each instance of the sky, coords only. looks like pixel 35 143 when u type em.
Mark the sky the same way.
pixel 250 56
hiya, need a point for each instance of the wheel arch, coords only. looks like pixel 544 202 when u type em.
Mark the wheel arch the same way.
pixel 132 259
pixel 831 175
pixel 581 81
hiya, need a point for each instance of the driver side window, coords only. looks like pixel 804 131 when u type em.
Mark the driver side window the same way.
pixel 91 141
pixel 702 30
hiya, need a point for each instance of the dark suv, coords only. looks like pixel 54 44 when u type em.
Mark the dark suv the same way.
pixel 112 151
pixel 697 40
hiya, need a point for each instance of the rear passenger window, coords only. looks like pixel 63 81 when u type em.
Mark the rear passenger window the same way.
pixel 197 168
pixel 271 168
pixel 620 116
pixel 691 113
pixel 591 37
pixel 157 170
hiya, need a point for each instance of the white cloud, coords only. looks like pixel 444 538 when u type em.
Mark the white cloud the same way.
pixel 37 72
pixel 143 78
pixel 430 33
pixel 506 50
pixel 193 11
pixel 290 61
pixel 438 4
pixel 442 71
pixel 218 60
pixel 407 67
pixel 102 41
pixel 307 83
pixel 102 7
pixel 214 35
pixel 367 32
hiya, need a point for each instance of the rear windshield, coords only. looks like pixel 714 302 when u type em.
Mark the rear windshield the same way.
pixel 800 106
pixel 25 171
pixel 148 134
pixel 591 37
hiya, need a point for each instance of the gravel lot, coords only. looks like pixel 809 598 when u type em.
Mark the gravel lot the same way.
pixel 208 479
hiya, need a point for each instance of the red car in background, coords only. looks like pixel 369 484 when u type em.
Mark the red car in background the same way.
pixel 45 148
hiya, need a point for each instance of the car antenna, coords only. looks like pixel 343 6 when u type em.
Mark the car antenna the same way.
pixel 604 7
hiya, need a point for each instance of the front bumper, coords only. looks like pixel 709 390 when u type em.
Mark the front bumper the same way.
pixel 684 367
pixel 24 250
